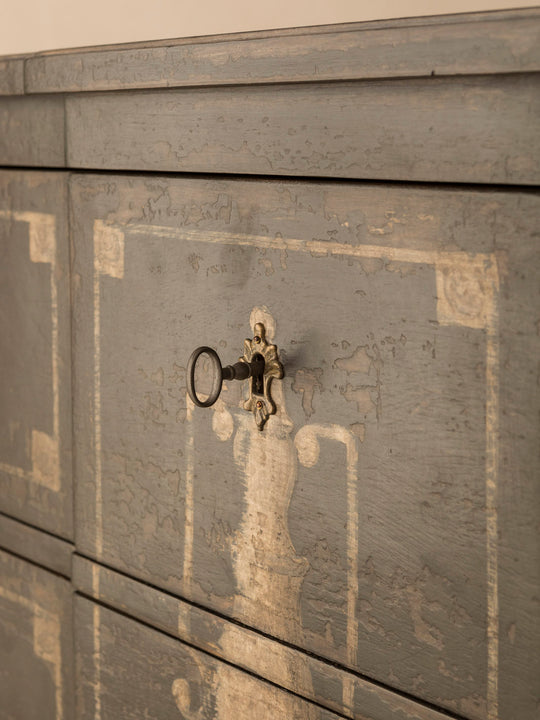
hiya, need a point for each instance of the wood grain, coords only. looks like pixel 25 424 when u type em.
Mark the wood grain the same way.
pixel 493 43
pixel 32 131
pixel 481 130
pixel 35 391
pixel 387 375
pixel 36 642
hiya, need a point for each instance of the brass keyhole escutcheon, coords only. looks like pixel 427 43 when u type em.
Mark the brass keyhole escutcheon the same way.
pixel 259 363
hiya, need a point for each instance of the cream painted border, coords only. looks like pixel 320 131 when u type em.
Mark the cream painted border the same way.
pixel 307 445
pixel 467 295
pixel 45 448
pixel 46 641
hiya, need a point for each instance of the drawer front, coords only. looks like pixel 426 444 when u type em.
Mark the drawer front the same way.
pixel 480 129
pixel 375 521
pixel 303 674
pixel 35 399
pixel 36 643
pixel 129 670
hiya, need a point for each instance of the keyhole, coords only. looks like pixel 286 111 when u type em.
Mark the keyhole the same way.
pixel 257 374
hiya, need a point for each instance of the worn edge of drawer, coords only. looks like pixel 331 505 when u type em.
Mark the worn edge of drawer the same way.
pixel 253 651
pixel 37 546
pixel 467 44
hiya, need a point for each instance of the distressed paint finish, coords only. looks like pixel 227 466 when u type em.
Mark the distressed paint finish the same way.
pixel 500 42
pixel 375 552
pixel 32 131
pixel 311 678
pixel 149 674
pixel 36 646
pixel 35 406
pixel 475 129
pixel 405 382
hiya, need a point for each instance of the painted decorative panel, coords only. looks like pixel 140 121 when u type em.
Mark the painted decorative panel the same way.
pixel 364 522
pixel 35 390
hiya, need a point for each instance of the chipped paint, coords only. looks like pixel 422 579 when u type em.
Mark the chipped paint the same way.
pixel 423 630
pixel 362 362
pixel 360 395
pixel 306 381
pixel 388 227
pixel 358 429
pixel 359 361
pixel 45 449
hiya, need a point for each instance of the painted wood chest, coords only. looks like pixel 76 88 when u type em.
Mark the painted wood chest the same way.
pixel 362 197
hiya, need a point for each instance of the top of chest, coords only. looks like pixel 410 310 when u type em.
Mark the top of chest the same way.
pixel 444 99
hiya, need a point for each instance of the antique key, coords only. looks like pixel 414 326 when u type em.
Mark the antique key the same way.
pixel 259 364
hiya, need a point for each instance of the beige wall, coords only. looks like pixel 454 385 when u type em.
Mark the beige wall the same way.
pixel 32 25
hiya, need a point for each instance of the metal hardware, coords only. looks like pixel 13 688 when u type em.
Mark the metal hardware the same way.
pixel 259 363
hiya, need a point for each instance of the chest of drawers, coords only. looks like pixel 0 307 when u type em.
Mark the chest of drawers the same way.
pixel 368 194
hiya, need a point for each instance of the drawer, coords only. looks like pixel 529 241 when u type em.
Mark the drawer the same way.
pixel 36 643
pixel 324 683
pixel 476 129
pixel 126 669
pixel 380 518
pixel 35 392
